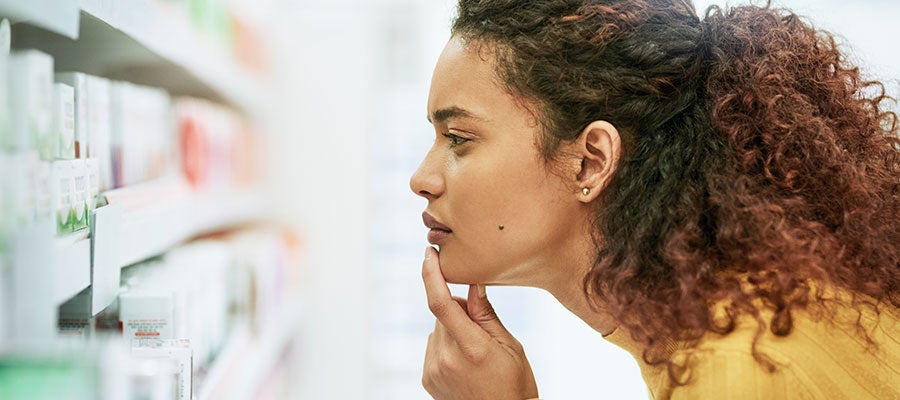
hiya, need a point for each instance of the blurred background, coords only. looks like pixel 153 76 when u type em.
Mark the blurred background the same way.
pixel 235 173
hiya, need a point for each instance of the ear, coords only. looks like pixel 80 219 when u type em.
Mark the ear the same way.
pixel 599 148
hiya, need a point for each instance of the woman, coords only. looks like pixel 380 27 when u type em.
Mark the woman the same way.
pixel 718 196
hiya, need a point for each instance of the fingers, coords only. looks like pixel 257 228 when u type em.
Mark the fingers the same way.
pixel 482 312
pixel 450 313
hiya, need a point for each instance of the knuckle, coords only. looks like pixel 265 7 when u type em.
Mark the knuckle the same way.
pixel 437 307
pixel 445 363
pixel 475 354
pixel 427 379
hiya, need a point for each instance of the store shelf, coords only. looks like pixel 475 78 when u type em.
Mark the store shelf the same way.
pixel 159 215
pixel 139 42
pixel 60 17
pixel 244 362
pixel 71 265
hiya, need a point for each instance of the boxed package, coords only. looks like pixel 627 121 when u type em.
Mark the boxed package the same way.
pixel 143 135
pixel 64 121
pixel 178 352
pixel 146 314
pixel 63 195
pixel 30 92
pixel 78 82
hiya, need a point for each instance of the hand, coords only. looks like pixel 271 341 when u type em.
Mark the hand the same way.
pixel 470 354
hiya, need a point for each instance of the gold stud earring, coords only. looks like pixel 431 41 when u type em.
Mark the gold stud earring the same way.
pixel 585 191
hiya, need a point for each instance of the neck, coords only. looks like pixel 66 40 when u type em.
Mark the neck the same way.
pixel 567 286
pixel 572 296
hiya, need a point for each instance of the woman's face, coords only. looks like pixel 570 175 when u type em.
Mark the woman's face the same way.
pixel 505 216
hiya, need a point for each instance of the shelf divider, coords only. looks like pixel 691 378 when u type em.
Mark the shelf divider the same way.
pixel 106 272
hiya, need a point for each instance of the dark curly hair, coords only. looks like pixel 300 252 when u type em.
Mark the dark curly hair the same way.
pixel 759 168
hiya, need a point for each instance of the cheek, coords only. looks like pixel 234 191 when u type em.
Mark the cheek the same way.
pixel 523 202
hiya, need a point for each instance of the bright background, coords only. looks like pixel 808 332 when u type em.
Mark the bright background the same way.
pixel 357 77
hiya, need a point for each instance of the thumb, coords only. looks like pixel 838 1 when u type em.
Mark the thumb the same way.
pixel 481 311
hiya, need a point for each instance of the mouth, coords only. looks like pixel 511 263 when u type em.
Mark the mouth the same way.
pixel 438 232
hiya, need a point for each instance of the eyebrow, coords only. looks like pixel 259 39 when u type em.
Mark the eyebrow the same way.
pixel 450 112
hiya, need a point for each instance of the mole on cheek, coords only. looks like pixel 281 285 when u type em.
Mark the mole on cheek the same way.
pixel 500 227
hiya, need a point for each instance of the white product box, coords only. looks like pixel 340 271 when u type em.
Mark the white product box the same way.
pixel 74 318
pixel 146 314
pixel 80 195
pixel 93 171
pixel 22 185
pixel 63 188
pixel 5 133
pixel 43 190
pixel 64 121
pixel 30 74
pixel 78 82
pixel 141 124
pixel 176 350
pixel 99 128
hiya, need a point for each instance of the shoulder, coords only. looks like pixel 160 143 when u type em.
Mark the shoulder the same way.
pixel 820 358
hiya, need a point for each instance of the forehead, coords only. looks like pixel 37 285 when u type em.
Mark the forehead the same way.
pixel 464 77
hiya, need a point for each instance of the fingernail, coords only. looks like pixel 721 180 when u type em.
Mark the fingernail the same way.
pixel 427 252
pixel 481 291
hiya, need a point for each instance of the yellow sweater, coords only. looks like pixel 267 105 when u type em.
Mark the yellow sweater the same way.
pixel 818 360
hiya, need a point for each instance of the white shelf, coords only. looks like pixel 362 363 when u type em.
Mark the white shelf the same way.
pixel 172 39
pixel 57 16
pixel 139 42
pixel 244 362
pixel 159 215
pixel 71 265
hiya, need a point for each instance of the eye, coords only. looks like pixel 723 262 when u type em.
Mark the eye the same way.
pixel 454 139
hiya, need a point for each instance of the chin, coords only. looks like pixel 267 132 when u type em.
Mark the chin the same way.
pixel 458 269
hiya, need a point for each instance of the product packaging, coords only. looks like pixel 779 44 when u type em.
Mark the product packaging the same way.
pixel 142 133
pixel 63 185
pixel 23 185
pixel 64 121
pixel 5 133
pixel 43 190
pixel 30 74
pixel 93 172
pixel 80 203
pixel 99 128
pixel 178 352
pixel 146 314
pixel 6 209
pixel 74 318
pixel 78 82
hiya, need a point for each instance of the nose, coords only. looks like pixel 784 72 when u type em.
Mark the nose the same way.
pixel 428 181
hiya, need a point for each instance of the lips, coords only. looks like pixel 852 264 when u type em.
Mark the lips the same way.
pixel 438 232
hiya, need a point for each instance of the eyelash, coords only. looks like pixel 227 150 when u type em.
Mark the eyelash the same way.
pixel 455 140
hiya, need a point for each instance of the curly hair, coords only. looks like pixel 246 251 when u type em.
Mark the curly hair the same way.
pixel 759 167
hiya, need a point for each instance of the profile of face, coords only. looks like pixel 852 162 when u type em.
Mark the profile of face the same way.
pixel 499 212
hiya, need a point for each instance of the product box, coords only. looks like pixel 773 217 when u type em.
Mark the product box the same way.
pixel 80 195
pixel 178 351
pixel 6 209
pixel 142 133
pixel 64 121
pixel 99 128
pixel 63 191
pixel 43 190
pixel 146 314
pixel 30 74
pixel 93 172
pixel 5 133
pixel 22 184
pixel 74 318
pixel 78 82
